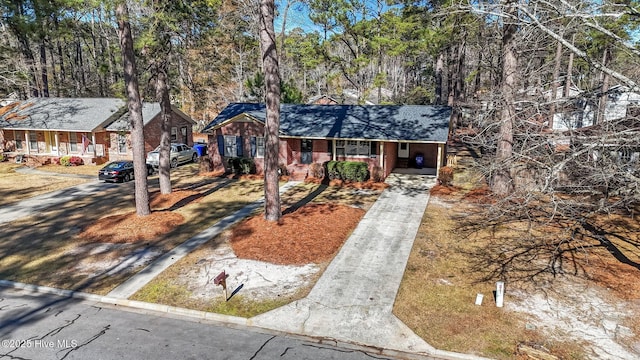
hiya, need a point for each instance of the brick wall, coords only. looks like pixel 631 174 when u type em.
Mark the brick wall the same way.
pixel 153 130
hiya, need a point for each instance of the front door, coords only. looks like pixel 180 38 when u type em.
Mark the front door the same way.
pixel 306 151
pixel 403 150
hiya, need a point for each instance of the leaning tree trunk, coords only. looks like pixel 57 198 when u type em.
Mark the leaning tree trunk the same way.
pixel 272 210
pixel 135 110
pixel 502 183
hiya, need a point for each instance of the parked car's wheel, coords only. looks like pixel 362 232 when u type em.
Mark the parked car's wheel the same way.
pixel 194 158
pixel 174 162
pixel 126 178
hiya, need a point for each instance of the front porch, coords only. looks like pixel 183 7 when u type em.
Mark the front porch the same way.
pixel 39 159
pixel 414 171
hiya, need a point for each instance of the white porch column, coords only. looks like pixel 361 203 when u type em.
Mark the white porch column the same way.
pixel 333 151
pixel 381 152
pixel 26 140
pixel 57 141
pixel 93 141
pixel 439 163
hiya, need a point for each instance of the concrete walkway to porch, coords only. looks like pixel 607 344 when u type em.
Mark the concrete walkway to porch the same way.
pixel 353 300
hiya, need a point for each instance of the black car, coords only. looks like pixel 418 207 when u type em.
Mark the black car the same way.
pixel 120 171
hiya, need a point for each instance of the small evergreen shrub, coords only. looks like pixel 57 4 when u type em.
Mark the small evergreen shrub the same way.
pixel 348 170
pixel 242 166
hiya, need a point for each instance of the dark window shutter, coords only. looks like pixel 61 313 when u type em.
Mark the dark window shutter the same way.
pixel 221 145
pixel 374 147
pixel 253 146
pixel 239 145
pixel 330 147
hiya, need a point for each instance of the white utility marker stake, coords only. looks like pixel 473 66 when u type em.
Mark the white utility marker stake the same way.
pixel 499 293
pixel 479 298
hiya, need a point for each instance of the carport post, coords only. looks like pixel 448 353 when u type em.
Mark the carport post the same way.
pixel 439 160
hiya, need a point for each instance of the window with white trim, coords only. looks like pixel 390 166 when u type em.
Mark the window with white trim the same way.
pixel 230 148
pixel 259 146
pixel 174 134
pixel 33 141
pixel 73 142
pixel 19 136
pixel 122 143
pixel 353 148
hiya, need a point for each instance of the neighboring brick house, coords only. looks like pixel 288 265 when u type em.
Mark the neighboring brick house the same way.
pixel 96 129
pixel 384 136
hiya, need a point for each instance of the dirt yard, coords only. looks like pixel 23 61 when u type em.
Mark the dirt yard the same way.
pixel 589 314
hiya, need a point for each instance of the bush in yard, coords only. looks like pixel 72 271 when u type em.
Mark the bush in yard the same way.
pixel 242 166
pixel 65 160
pixel 69 160
pixel 76 161
pixel 316 170
pixel 332 170
pixel 348 170
pixel 445 176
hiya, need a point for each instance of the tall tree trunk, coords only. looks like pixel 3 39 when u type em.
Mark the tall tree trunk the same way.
pixel 458 85
pixel 272 210
pixel 602 102
pixel 54 72
pixel 135 110
pixel 439 71
pixel 567 84
pixel 555 83
pixel 63 75
pixel 43 69
pixel 162 95
pixel 282 55
pixel 502 184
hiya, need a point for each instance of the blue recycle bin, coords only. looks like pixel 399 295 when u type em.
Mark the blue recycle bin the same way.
pixel 201 149
pixel 419 161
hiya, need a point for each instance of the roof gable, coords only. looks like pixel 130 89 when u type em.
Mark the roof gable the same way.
pixel 65 114
pixel 418 123
pixel 75 114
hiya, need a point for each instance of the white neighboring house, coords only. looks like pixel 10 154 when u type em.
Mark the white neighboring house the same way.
pixel 619 98
pixel 13 97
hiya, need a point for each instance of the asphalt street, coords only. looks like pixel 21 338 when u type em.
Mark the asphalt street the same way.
pixel 40 326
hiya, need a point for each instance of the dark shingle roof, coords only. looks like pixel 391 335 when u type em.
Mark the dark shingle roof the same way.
pixel 72 114
pixel 418 123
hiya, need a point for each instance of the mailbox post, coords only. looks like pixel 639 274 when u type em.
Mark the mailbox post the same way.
pixel 221 280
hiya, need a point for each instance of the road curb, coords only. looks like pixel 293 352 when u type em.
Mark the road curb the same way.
pixel 228 320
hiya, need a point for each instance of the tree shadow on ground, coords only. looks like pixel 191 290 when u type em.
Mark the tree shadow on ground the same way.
pixel 532 239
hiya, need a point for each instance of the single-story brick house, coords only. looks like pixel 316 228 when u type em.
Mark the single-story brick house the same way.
pixel 384 136
pixel 96 129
